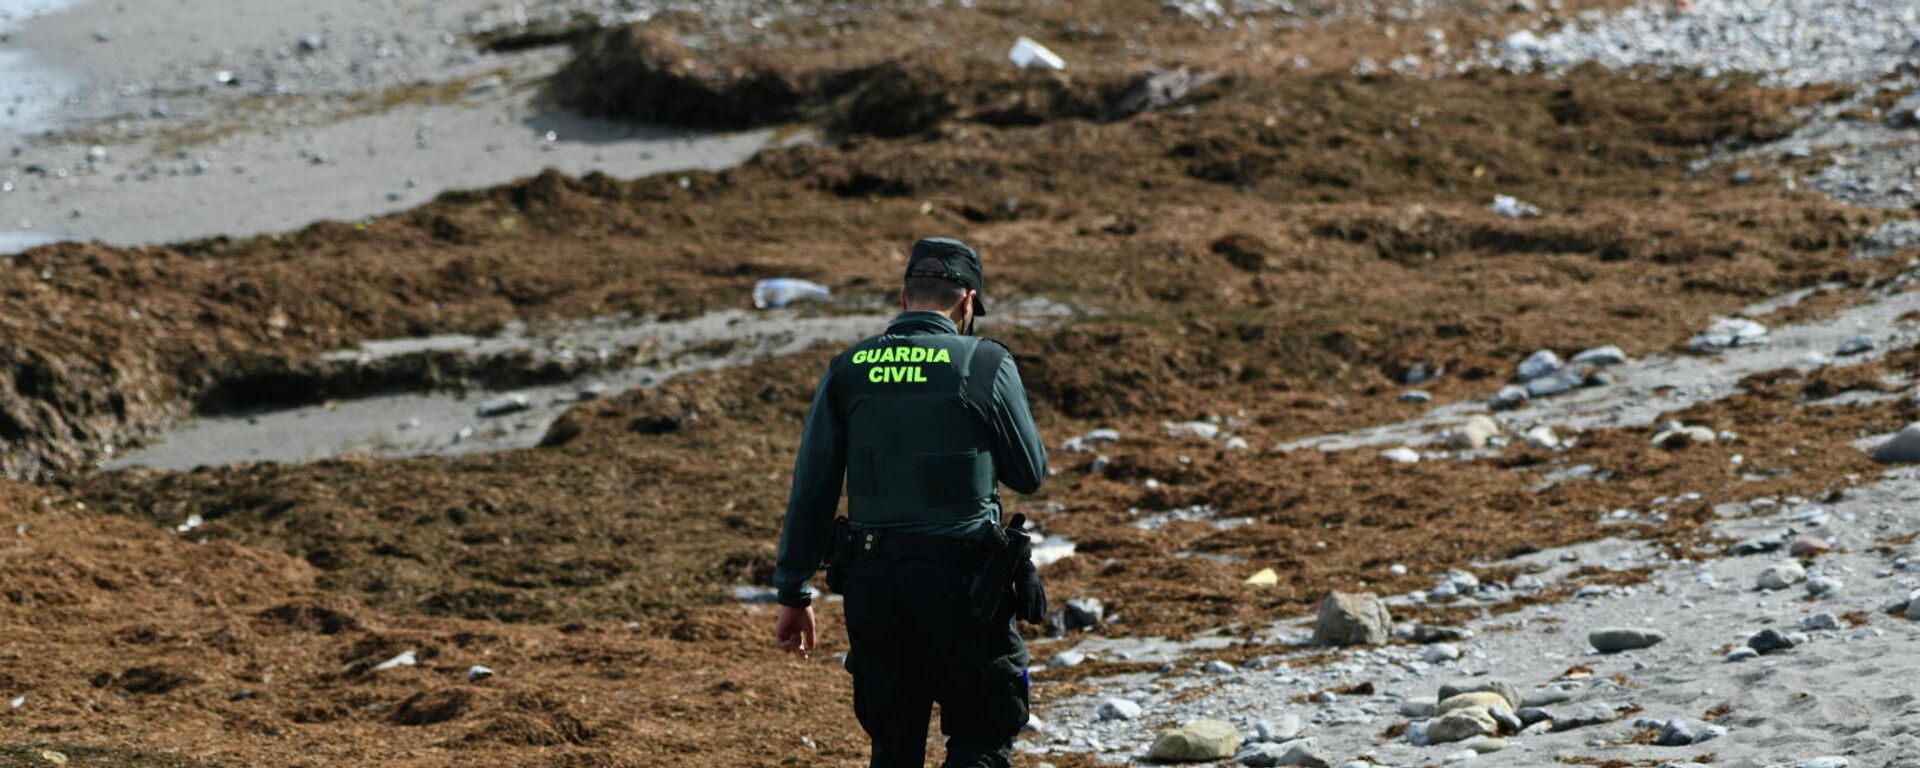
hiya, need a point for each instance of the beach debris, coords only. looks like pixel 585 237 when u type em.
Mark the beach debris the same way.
pixel 193 521
pixel 777 292
pixel 1514 208
pixel 476 673
pixel 1026 54
pixel 405 659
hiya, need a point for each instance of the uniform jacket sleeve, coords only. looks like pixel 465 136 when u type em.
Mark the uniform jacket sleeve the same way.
pixel 818 473
pixel 1018 456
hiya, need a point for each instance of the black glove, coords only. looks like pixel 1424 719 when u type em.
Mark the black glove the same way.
pixel 1031 594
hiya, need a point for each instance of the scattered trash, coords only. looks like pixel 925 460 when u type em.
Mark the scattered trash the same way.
pixel 1401 455
pixel 1267 577
pixel 405 659
pixel 1514 208
pixel 476 673
pixel 1026 54
pixel 781 291
pixel 193 521
pixel 17 702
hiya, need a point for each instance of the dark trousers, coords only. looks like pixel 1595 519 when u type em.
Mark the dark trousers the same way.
pixel 913 644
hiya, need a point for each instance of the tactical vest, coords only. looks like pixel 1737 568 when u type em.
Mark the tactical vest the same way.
pixel 918 445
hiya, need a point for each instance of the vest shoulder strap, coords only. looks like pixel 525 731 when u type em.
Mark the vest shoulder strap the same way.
pixel 982 369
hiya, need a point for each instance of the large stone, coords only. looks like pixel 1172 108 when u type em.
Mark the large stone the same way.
pixel 1460 725
pixel 1487 700
pixel 1582 716
pixel 1902 448
pixel 1782 575
pixel 1352 618
pixel 1617 639
pixel 1198 741
pixel 1541 363
pixel 1492 684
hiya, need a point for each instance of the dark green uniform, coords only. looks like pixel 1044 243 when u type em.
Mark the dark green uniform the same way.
pixel 919 451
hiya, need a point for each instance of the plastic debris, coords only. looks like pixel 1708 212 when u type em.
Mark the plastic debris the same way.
pixel 1514 208
pixel 193 521
pixel 405 659
pixel 781 291
pixel 505 404
pixel 476 673
pixel 1267 577
pixel 17 702
pixel 1026 53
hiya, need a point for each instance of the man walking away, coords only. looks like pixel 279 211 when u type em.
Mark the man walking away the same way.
pixel 921 421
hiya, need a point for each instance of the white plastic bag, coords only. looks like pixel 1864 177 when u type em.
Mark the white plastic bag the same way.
pixel 781 291
pixel 1027 53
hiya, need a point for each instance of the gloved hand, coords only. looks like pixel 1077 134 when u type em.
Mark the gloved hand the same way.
pixel 1031 605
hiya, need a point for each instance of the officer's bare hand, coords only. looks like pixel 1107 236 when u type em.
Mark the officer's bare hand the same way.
pixel 794 630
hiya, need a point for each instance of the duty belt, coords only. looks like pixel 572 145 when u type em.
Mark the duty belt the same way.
pixel 940 549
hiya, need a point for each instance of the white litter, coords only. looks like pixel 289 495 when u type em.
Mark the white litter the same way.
pixel 1514 208
pixel 1026 53
pixel 477 673
pixel 781 291
pixel 405 659
pixel 193 521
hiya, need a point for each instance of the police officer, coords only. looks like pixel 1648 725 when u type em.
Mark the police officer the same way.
pixel 920 422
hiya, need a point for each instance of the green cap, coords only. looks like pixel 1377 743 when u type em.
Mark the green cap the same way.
pixel 957 262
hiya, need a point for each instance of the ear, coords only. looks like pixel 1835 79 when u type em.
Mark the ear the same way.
pixel 903 298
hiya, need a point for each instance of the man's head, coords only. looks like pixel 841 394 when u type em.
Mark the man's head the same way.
pixel 944 275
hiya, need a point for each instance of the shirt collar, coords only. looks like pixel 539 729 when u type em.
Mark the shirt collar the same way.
pixel 922 321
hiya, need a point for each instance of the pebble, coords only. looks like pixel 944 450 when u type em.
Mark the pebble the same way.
pixel 1825 762
pixel 1118 709
pixel 1416 396
pixel 1809 547
pixel 1401 455
pixel 1617 639
pixel 1300 752
pixel 1760 544
pixel 1819 621
pixel 1219 667
pixel 1541 363
pixel 1769 640
pixel 1685 731
pixel 1742 653
pixel 1067 659
pixel 1494 685
pixel 504 404
pixel 1607 355
pixel 1440 653
pixel 1287 728
pixel 1460 725
pixel 1855 345
pixel 1475 434
pixel 1902 448
pixel 1508 398
pixel 1727 333
pixel 1581 716
pixel 1542 438
pixel 1820 586
pixel 1558 382
pixel 1782 575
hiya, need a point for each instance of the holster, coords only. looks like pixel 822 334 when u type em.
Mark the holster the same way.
pixel 839 555
pixel 1008 572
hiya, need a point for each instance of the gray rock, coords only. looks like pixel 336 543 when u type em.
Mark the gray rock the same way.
pixel 1474 434
pixel 1685 731
pixel 1287 728
pixel 1488 685
pixel 1421 373
pixel 1423 634
pixel 1541 438
pixel 1067 659
pixel 1607 355
pixel 1769 640
pixel 1855 345
pixel 1084 613
pixel 1441 652
pixel 1416 396
pixel 1546 697
pixel 1418 708
pixel 1118 709
pixel 1617 639
pixel 1508 398
pixel 1559 382
pixel 504 404
pixel 1352 618
pixel 1195 742
pixel 1913 610
pixel 1530 715
pixel 1460 725
pixel 1301 752
pixel 1782 575
pixel 1821 586
pixel 1742 653
pixel 477 673
pixel 1769 542
pixel 1902 448
pixel 1582 716
pixel 1820 621
pixel 1727 333
pixel 1542 362
pixel 1824 762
